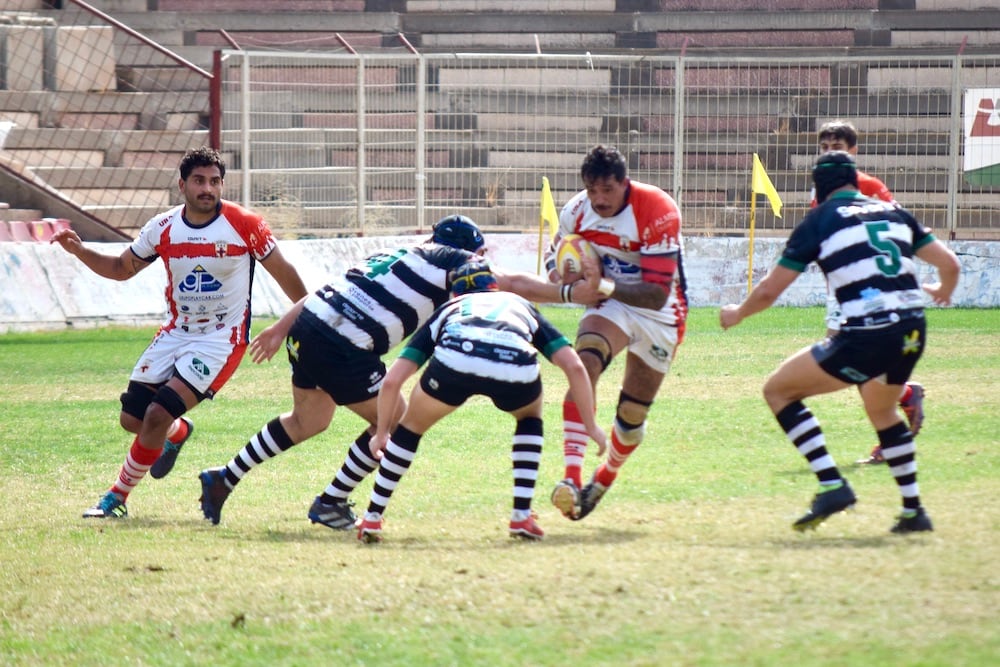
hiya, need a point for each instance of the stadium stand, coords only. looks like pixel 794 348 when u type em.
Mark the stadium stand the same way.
pixel 20 231
pixel 27 231
pixel 121 125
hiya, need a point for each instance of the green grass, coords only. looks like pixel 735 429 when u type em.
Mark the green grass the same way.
pixel 689 560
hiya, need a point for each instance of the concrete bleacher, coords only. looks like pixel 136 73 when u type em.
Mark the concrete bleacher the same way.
pixel 558 25
pixel 64 134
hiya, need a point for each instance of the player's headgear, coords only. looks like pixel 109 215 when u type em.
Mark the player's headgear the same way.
pixel 474 276
pixel 458 231
pixel 833 170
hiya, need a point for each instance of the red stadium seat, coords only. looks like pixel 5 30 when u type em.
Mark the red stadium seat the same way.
pixel 21 231
pixel 41 230
pixel 5 234
pixel 59 224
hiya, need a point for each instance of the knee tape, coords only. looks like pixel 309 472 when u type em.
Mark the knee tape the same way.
pixel 630 419
pixel 595 344
pixel 136 399
pixel 170 401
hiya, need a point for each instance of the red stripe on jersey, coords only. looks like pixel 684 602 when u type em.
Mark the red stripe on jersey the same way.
pixel 656 216
pixel 201 250
pixel 610 240
pixel 251 228
pixel 659 269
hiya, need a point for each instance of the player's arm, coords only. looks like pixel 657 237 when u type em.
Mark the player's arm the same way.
pixel 761 297
pixel 948 268
pixel 640 295
pixel 284 274
pixel 537 289
pixel 269 340
pixel 390 399
pixel 582 392
pixel 121 267
pixel 657 269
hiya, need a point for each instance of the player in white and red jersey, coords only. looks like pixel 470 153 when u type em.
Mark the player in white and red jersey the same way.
pixel 636 230
pixel 841 135
pixel 209 248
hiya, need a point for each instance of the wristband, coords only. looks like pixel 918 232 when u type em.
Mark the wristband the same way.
pixel 606 287
pixel 566 293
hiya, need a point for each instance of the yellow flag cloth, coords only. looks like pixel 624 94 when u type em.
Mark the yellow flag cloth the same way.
pixel 548 212
pixel 761 184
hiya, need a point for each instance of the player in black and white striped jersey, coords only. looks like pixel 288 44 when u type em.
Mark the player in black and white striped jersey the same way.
pixel 335 338
pixel 482 342
pixel 866 249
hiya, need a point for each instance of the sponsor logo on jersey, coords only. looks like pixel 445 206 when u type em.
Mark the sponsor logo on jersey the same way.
pixel 293 348
pixel 199 281
pixel 911 343
pixel 659 353
pixel 200 367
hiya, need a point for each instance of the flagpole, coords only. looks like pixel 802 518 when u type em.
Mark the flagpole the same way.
pixel 547 214
pixel 541 229
pixel 753 224
pixel 759 184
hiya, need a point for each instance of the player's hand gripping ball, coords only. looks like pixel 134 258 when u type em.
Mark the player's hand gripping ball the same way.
pixel 571 250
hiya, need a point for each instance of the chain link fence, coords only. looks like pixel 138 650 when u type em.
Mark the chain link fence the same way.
pixel 336 143
pixel 347 144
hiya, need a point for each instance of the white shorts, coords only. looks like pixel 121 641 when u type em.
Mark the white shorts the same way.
pixel 205 363
pixel 833 313
pixel 649 339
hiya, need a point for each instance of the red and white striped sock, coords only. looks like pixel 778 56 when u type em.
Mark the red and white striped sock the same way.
pixel 618 453
pixel 137 463
pixel 574 442
pixel 178 431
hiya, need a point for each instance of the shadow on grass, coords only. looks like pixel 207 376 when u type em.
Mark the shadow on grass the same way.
pixel 435 541
pixel 822 542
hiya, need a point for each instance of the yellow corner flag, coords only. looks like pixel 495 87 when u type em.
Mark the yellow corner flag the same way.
pixel 761 184
pixel 548 211
pixel 547 217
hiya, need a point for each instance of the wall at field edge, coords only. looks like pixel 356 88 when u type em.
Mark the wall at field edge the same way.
pixel 44 288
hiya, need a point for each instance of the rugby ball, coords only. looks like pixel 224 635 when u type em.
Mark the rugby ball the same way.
pixel 569 253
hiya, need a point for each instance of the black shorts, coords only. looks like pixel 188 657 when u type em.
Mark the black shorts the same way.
pixel 454 388
pixel 321 359
pixel 858 354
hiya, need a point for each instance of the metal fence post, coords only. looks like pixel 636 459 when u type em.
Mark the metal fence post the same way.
pixel 955 145
pixel 245 127
pixel 360 159
pixel 421 147
pixel 679 96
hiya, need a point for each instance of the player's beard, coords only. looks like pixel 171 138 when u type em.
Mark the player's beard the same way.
pixel 203 204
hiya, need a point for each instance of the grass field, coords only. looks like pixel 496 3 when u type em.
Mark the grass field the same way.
pixel 689 559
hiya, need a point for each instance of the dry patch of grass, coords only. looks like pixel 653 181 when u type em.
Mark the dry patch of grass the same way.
pixel 689 560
